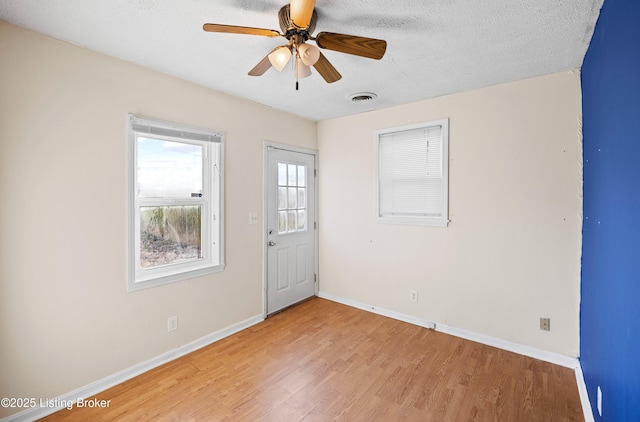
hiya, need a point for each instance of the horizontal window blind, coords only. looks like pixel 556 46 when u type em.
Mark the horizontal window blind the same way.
pixel 410 172
pixel 152 127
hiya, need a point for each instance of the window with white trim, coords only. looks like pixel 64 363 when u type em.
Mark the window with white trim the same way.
pixel 412 174
pixel 175 202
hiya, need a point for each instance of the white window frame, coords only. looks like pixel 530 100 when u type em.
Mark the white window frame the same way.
pixel 212 203
pixel 441 220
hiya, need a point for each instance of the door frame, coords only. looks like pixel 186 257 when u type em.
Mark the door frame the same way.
pixel 273 145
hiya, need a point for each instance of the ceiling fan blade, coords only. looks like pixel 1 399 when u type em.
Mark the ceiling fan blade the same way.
pixel 301 12
pixel 360 46
pixel 326 70
pixel 232 29
pixel 261 67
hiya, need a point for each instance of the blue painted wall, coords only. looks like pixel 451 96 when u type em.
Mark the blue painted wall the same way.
pixel 610 306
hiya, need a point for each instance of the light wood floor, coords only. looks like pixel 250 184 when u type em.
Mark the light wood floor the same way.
pixel 322 361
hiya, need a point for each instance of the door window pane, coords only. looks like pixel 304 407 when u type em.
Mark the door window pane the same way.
pixel 292 218
pixel 282 221
pixel 282 198
pixel 282 174
pixel 291 180
pixel 292 198
pixel 302 220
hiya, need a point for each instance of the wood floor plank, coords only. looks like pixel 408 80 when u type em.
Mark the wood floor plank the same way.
pixel 323 361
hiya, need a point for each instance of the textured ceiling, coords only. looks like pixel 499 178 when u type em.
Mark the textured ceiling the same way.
pixel 435 47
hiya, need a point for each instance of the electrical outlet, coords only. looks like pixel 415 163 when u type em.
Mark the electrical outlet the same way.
pixel 172 323
pixel 413 295
pixel 599 401
pixel 253 218
pixel 545 324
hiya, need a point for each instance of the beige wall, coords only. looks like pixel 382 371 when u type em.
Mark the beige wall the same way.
pixel 511 253
pixel 66 318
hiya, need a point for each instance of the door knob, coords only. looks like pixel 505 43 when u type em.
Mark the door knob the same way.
pixel 272 243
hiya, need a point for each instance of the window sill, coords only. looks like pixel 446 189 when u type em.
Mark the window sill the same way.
pixel 161 280
pixel 414 221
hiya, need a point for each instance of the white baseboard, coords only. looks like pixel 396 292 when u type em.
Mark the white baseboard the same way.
pixel 584 396
pixel 551 357
pixel 377 310
pixel 126 374
pixel 521 349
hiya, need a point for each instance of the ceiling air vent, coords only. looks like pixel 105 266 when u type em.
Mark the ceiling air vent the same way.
pixel 362 97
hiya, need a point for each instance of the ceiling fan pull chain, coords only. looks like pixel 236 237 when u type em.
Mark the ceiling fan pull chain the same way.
pixel 295 66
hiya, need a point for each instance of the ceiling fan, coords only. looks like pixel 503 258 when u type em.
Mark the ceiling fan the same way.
pixel 298 21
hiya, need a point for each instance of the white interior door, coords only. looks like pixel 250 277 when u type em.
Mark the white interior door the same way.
pixel 291 228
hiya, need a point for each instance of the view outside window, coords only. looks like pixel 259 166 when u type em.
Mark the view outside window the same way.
pixel 170 179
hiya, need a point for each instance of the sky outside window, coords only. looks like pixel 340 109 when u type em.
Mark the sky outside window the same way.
pixel 168 169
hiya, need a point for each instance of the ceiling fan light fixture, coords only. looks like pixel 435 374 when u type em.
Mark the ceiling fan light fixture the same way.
pixel 310 54
pixel 279 57
pixel 302 70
